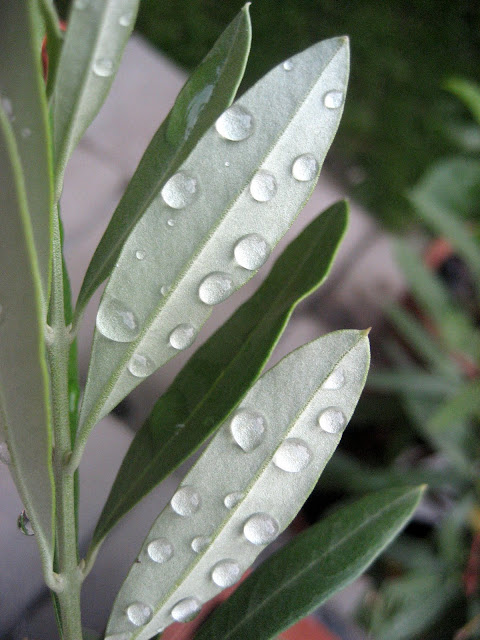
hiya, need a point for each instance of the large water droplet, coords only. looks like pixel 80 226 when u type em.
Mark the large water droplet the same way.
pixel 226 573
pixel 5 453
pixel 116 321
pixel 232 499
pixel 182 336
pixel 140 254
pixel 180 190
pixel 252 251
pixel 215 288
pixel 333 99
pixel 288 65
pixel 160 550
pixel 332 420
pixel 103 67
pixel 24 524
pixel 261 529
pixel 186 610
pixel 139 613
pixel 235 123
pixel 200 543
pixel 186 501
pixel 335 380
pixel 293 455
pixel 305 167
pixel 248 429
pixel 141 366
pixel 126 19
pixel 263 186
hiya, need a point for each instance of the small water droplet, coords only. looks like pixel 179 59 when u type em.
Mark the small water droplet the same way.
pixel 24 524
pixel 305 168
pixel 233 499
pixel 288 65
pixel 293 455
pixel 333 99
pixel 248 429
pixel 335 380
pixel 103 67
pixel 186 501
pixel 261 529
pixel 160 550
pixel 227 164
pixel 200 543
pixel 182 336
pixel 140 254
pixel 141 366
pixel 116 321
pixel 186 610
pixel 215 288
pixel 171 222
pixel 26 132
pixel 164 290
pixel 332 420
pixel 263 186
pixel 226 573
pixel 235 123
pixel 179 191
pixel 81 4
pixel 251 252
pixel 139 613
pixel 126 19
pixel 5 453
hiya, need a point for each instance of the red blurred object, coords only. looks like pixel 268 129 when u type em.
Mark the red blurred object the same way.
pixel 63 27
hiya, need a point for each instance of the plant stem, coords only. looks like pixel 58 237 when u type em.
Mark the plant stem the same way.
pixel 58 352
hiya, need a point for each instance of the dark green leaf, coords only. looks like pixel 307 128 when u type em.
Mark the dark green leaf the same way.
pixel 468 92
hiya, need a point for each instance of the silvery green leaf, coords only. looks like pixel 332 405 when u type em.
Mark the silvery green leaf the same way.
pixel 24 387
pixel 215 221
pixel 97 33
pixel 25 104
pixel 247 486
pixel 209 91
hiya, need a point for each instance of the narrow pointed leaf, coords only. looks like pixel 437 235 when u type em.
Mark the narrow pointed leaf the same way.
pixel 225 220
pixel 249 483
pixel 217 376
pixel 54 40
pixel 23 366
pixel 25 105
pixel 94 42
pixel 316 564
pixel 468 92
pixel 208 92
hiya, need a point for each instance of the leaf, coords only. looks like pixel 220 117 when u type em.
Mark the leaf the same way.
pixel 295 580
pixel 217 376
pixel 209 91
pixel 94 42
pixel 24 102
pixel 54 40
pixel 24 386
pixel 250 481
pixel 468 92
pixel 167 279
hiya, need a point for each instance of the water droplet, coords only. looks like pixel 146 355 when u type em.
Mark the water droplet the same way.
pixel 335 380
pixel 5 453
pixel 186 610
pixel 141 366
pixel 8 108
pixel 116 321
pixel 103 67
pixel 171 222
pixel 26 132
pixel 333 99
pixel 139 613
pixel 140 254
pixel 293 455
pixel 160 550
pixel 126 19
pixel 305 168
pixel 263 186
pixel 235 123
pixel 233 499
pixel 200 543
pixel 261 529
pixel 164 290
pixel 186 501
pixel 226 573
pixel 24 524
pixel 215 288
pixel 332 420
pixel 251 252
pixel 179 191
pixel 81 4
pixel 248 429
pixel 182 336
pixel 227 164
pixel 288 65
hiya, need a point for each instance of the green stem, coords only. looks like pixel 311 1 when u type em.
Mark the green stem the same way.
pixel 58 352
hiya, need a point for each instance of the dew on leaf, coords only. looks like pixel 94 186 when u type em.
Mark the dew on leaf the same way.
pixel 200 543
pixel 183 336
pixel 103 67
pixel 263 186
pixel 335 380
pixel 126 19
pixel 293 455
pixel 288 65
pixel 226 573
pixel 333 99
pixel 261 528
pixel 180 190
pixel 186 610
pixel 251 251
pixel 171 222
pixel 215 288
pixel 232 499
pixel 332 420
pixel 248 429
pixel 116 321
pixel 140 254
pixel 26 132
pixel 186 501
pixel 236 123
pixel 160 550
pixel 305 168
pixel 24 524
pixel 139 613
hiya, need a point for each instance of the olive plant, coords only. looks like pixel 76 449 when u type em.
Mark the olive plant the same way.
pixel 218 186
